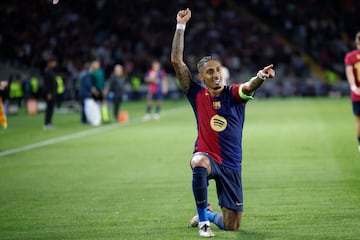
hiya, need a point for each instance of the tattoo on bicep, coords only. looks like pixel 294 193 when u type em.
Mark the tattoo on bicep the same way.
pixel 184 76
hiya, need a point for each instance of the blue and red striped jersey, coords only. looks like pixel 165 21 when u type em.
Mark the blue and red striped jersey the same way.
pixel 220 123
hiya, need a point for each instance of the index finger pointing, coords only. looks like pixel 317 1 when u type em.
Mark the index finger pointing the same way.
pixel 268 67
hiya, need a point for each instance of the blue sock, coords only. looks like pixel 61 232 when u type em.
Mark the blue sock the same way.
pixel 216 218
pixel 199 186
pixel 202 214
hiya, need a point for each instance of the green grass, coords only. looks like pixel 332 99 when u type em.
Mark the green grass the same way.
pixel 301 175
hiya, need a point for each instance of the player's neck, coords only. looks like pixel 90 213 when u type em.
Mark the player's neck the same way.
pixel 215 92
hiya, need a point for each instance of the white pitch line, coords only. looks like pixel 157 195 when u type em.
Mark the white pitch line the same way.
pixel 61 139
pixel 78 135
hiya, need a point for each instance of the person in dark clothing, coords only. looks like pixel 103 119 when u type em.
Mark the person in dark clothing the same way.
pixel 86 89
pixel 50 92
pixel 116 85
pixel 5 88
pixel 98 80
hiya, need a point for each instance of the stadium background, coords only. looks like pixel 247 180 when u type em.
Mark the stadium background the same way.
pixel 305 40
pixel 132 181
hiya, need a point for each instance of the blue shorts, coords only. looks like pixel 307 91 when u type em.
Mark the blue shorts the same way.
pixel 155 96
pixel 228 184
pixel 356 108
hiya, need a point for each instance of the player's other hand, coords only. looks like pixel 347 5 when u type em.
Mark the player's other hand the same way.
pixel 268 71
pixel 356 91
pixel 183 16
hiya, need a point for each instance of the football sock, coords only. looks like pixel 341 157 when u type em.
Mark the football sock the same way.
pixel 199 186
pixel 359 140
pixel 202 214
pixel 148 109
pixel 157 110
pixel 216 218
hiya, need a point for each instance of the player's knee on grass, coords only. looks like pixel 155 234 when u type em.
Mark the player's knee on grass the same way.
pixel 200 161
pixel 232 219
pixel 231 226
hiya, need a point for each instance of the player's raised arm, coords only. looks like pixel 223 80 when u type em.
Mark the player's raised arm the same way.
pixel 255 82
pixel 177 50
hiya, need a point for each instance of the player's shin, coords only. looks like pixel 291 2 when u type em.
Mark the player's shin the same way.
pixel 216 218
pixel 199 186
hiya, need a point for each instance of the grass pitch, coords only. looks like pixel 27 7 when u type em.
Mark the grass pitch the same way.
pixel 301 175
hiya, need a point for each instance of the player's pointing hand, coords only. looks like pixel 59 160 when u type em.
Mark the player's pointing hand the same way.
pixel 268 71
pixel 183 16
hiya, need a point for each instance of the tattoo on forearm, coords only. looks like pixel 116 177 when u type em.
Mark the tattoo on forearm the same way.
pixel 256 83
pixel 253 84
pixel 182 71
pixel 178 45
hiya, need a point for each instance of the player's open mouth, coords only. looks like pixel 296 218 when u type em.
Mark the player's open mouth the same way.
pixel 217 81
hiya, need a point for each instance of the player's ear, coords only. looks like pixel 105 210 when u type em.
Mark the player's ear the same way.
pixel 200 77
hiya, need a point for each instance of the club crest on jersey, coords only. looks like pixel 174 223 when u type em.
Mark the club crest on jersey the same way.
pixel 217 105
pixel 218 123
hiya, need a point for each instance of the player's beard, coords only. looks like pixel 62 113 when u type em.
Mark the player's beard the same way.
pixel 217 87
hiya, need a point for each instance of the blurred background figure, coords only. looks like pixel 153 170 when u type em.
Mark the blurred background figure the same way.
pixel 158 86
pixel 115 87
pixel 4 89
pixel 86 90
pixel 34 87
pixel 98 80
pixel 60 89
pixel 225 75
pixel 352 70
pixel 50 88
pixel 16 90
pixel 3 96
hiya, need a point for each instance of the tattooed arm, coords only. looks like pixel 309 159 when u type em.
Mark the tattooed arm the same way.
pixel 177 50
pixel 255 82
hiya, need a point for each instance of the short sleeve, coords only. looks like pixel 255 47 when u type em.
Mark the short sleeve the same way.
pixel 238 94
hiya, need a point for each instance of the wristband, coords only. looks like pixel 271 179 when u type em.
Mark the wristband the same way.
pixel 353 87
pixel 260 75
pixel 180 26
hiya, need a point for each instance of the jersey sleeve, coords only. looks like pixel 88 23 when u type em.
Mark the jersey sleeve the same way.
pixel 194 89
pixel 348 59
pixel 240 97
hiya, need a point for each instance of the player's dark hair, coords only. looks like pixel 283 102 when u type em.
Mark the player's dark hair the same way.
pixel 204 60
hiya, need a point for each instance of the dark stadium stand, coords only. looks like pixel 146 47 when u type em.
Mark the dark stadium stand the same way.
pixel 297 36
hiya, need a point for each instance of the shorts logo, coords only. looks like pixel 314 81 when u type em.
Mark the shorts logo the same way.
pixel 218 123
